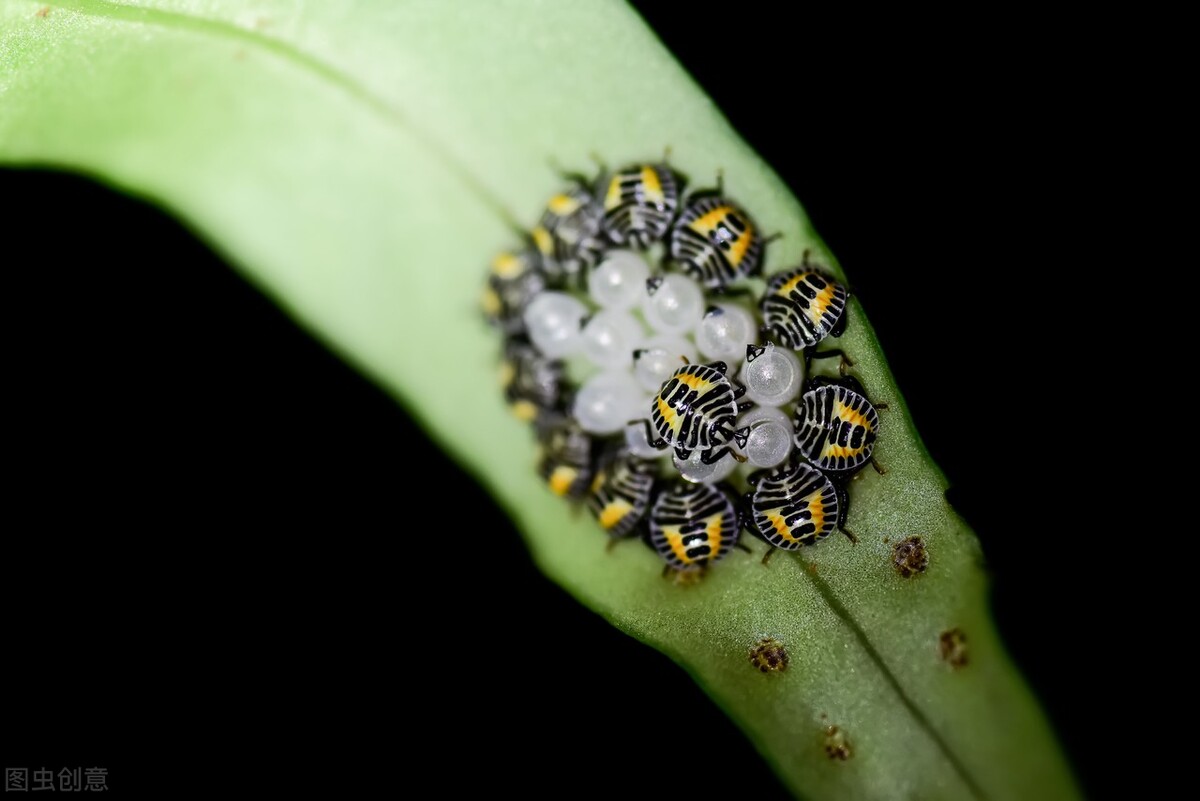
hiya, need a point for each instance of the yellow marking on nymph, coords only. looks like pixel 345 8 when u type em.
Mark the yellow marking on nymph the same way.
pixel 675 540
pixel 816 507
pixel 852 416
pixel 669 415
pixel 842 450
pixel 542 240
pixel 490 302
pixel 708 222
pixel 525 411
pixel 507 374
pixel 562 205
pixel 507 266
pixel 780 523
pixel 562 479
pixel 737 250
pixel 713 529
pixel 819 305
pixel 614 513
pixel 651 186
pixel 598 481
pixel 789 286
pixel 612 198
pixel 696 382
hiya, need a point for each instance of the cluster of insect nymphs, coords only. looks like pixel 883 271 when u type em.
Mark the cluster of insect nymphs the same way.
pixel 632 335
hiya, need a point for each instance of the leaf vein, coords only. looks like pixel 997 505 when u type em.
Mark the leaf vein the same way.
pixel 919 716
pixel 306 61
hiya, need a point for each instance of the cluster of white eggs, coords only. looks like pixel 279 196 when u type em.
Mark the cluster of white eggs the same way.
pixel 634 328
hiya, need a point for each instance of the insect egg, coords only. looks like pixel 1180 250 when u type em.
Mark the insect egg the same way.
pixel 725 331
pixel 771 433
pixel 609 338
pixel 694 469
pixel 657 389
pixel 635 438
pixel 772 376
pixel 553 321
pixel 620 280
pixel 659 358
pixel 607 401
pixel 673 304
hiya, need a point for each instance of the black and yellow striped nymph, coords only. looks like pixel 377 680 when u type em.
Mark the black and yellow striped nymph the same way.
pixel 696 409
pixel 566 461
pixel 693 525
pixel 640 202
pixel 515 279
pixel 715 242
pixel 836 428
pixel 794 506
pixel 801 307
pixel 621 493
pixel 532 383
pixel 568 237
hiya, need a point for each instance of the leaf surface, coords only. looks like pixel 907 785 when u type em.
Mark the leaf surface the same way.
pixel 361 162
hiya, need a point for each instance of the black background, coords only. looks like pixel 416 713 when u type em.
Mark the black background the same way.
pixel 195 551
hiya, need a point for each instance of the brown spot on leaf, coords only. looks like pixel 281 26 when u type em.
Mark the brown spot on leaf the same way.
pixel 909 557
pixel 836 745
pixel 769 656
pixel 952 646
pixel 43 12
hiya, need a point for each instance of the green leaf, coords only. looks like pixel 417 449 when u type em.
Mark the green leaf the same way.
pixel 361 161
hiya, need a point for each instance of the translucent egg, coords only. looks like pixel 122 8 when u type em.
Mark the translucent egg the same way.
pixel 607 401
pixel 610 337
pixel 659 358
pixel 770 439
pixel 635 439
pixel 725 331
pixel 619 282
pixel 773 377
pixel 697 472
pixel 673 303
pixel 552 320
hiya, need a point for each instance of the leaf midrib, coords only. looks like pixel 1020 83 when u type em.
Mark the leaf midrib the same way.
pixel 307 62
pixel 848 620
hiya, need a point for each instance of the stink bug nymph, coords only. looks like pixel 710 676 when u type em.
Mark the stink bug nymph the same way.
pixel 836 426
pixel 693 525
pixel 802 307
pixel 514 281
pixel 794 506
pixel 566 462
pixel 715 241
pixel 695 410
pixel 568 236
pixel 621 492
pixel 532 383
pixel 639 203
